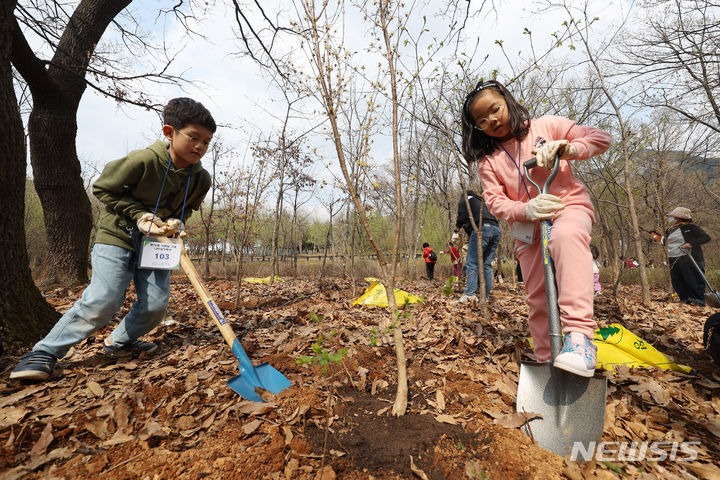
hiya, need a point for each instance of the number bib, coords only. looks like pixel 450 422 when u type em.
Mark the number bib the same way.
pixel 160 253
pixel 523 231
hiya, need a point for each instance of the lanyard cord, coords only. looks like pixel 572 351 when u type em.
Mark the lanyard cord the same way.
pixel 521 178
pixel 187 188
pixel 162 187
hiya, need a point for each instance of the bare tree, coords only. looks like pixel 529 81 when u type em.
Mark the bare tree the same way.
pixel 327 82
pixel 57 84
pixel 334 205
pixel 240 194
pixel 580 29
pixel 285 155
pixel 675 53
pixel 217 151
pixel 300 183
pixel 24 314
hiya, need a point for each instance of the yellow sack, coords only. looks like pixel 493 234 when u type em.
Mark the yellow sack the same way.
pixel 619 346
pixel 376 295
pixel 619 343
pixel 261 280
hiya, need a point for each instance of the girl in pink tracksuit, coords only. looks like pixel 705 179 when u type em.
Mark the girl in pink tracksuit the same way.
pixel 497 132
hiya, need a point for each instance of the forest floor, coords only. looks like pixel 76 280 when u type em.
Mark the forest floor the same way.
pixel 171 415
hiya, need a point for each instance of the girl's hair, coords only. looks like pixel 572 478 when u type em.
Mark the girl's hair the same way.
pixel 475 143
pixel 426 244
pixel 595 252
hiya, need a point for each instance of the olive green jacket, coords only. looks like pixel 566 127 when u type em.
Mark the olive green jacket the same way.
pixel 129 187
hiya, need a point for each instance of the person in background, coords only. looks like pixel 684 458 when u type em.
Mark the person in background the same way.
pixel 430 258
pixel 631 263
pixel 490 239
pixel 498 134
pixel 596 269
pixel 150 191
pixel 455 258
pixel 684 238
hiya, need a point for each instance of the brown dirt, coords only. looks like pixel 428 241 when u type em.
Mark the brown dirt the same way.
pixel 171 415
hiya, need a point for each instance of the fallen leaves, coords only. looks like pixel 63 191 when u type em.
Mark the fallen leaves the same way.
pixel 516 420
pixel 41 445
pixel 176 404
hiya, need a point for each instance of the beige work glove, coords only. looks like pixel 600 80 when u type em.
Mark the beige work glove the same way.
pixel 151 226
pixel 545 155
pixel 543 207
pixel 173 226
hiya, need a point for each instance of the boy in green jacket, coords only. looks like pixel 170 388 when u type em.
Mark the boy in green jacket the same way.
pixel 151 191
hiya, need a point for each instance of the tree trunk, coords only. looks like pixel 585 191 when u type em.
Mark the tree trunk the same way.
pixel 52 128
pixel 59 185
pixel 24 315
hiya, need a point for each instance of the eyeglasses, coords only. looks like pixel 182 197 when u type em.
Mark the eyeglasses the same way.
pixel 484 122
pixel 195 141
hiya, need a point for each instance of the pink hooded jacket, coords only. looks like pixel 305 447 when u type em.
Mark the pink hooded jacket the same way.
pixel 503 188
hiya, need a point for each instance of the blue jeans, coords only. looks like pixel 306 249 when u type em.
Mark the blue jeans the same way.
pixel 113 269
pixel 490 240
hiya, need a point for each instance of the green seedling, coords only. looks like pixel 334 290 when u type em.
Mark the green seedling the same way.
pixel 447 290
pixel 404 314
pixel 374 342
pixel 614 468
pixel 316 318
pixel 322 356
pixel 473 470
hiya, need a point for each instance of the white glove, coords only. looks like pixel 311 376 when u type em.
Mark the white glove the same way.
pixel 455 238
pixel 173 226
pixel 543 207
pixel 151 226
pixel 545 155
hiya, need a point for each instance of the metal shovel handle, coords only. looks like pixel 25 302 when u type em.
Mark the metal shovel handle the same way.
pixel 699 270
pixel 555 328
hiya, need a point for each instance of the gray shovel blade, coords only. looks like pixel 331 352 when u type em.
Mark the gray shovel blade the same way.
pixel 712 299
pixel 572 407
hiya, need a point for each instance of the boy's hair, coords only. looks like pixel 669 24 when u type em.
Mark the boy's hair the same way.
pixel 475 142
pixel 183 110
pixel 426 244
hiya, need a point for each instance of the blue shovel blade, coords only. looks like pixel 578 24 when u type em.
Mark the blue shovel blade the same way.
pixel 264 376
pixel 244 388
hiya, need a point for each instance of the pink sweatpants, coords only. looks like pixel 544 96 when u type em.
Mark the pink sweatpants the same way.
pixel 570 250
pixel 457 269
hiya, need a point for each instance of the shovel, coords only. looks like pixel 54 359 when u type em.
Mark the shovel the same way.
pixel 572 407
pixel 264 376
pixel 712 298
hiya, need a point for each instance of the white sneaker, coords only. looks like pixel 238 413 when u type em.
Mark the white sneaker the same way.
pixel 466 298
pixel 578 356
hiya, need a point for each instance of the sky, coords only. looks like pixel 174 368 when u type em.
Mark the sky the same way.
pixel 237 92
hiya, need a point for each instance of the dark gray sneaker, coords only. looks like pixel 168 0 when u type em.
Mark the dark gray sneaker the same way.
pixel 136 346
pixel 34 366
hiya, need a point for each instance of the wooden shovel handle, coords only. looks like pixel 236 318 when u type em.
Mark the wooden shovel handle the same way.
pixel 192 274
pixel 189 269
